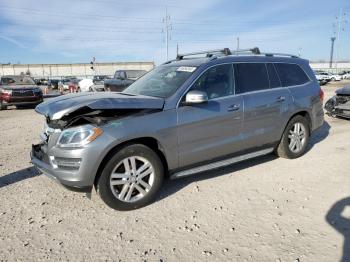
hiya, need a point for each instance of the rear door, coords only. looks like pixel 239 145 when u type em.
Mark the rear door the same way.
pixel 211 130
pixel 265 102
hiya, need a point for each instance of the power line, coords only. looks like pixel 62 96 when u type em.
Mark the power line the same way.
pixel 340 21
pixel 119 19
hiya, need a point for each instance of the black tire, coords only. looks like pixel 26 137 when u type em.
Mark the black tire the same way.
pixel 2 107
pixel 104 185
pixel 283 150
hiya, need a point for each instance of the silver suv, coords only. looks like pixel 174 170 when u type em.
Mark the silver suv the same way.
pixel 187 116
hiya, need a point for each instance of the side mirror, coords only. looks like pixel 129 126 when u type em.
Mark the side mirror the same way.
pixel 196 97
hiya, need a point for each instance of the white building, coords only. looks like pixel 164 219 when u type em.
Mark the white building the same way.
pixel 78 70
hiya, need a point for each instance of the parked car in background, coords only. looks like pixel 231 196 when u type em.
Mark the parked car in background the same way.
pixel 99 79
pixel 53 83
pixel 335 77
pixel 321 78
pixel 64 84
pixel 345 74
pixel 99 83
pixel 85 85
pixel 186 116
pixel 41 81
pixel 122 79
pixel 339 105
pixel 323 75
pixel 19 91
pixel 73 85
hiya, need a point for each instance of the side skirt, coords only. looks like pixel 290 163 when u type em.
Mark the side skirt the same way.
pixel 221 163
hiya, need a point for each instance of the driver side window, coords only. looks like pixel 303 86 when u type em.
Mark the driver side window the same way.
pixel 216 81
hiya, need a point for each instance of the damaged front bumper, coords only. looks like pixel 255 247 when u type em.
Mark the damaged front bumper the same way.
pixel 63 168
pixel 339 106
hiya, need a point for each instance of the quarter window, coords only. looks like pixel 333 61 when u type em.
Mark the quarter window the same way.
pixel 216 81
pixel 251 77
pixel 291 74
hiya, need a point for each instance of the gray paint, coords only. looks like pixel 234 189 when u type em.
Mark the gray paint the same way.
pixel 188 135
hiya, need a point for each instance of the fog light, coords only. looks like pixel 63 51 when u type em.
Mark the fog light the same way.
pixel 65 163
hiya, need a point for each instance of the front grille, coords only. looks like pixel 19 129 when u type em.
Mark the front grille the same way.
pixel 22 93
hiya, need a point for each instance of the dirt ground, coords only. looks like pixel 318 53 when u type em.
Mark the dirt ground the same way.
pixel 266 209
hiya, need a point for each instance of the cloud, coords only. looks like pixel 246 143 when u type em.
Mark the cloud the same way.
pixel 12 40
pixel 133 30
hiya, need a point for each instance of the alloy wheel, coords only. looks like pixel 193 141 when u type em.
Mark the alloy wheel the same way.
pixel 297 137
pixel 132 179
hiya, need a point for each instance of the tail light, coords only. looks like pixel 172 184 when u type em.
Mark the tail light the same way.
pixel 321 95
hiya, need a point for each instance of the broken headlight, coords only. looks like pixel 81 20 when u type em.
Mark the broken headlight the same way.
pixel 78 136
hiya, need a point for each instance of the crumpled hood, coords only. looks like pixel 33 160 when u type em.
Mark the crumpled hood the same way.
pixel 343 91
pixel 56 108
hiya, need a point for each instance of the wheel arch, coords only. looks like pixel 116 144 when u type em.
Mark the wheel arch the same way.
pixel 150 142
pixel 303 113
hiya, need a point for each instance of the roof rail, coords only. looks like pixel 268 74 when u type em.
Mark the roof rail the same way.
pixel 208 53
pixel 279 54
pixel 227 52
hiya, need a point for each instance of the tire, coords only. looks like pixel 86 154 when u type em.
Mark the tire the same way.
pixel 2 107
pixel 114 190
pixel 289 150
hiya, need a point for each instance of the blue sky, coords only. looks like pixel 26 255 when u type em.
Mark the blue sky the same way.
pixel 73 31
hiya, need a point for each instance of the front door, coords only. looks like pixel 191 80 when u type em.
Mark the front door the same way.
pixel 213 129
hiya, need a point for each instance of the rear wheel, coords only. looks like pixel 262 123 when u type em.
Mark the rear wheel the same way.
pixel 295 138
pixel 131 178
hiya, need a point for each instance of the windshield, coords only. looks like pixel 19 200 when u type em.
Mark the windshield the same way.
pixel 17 80
pixel 163 81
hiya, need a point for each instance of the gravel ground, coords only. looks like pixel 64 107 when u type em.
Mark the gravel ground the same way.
pixel 267 209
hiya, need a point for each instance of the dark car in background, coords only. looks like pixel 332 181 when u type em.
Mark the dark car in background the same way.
pixel 122 79
pixel 53 83
pixel 19 91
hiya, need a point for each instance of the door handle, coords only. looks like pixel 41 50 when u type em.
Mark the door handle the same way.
pixel 234 107
pixel 280 99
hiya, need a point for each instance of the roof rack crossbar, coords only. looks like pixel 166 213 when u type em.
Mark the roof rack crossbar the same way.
pixel 280 54
pixel 208 53
pixel 255 51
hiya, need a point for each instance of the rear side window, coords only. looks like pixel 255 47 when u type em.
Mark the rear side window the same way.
pixel 251 77
pixel 291 74
pixel 273 77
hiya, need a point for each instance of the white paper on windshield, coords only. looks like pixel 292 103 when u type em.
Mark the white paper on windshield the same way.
pixel 189 69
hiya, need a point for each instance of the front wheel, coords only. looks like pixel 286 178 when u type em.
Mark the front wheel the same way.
pixel 131 178
pixel 295 138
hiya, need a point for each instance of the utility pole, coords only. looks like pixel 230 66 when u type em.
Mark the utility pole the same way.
pixel 177 49
pixel 339 25
pixel 167 29
pixel 332 50
pixel 237 43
